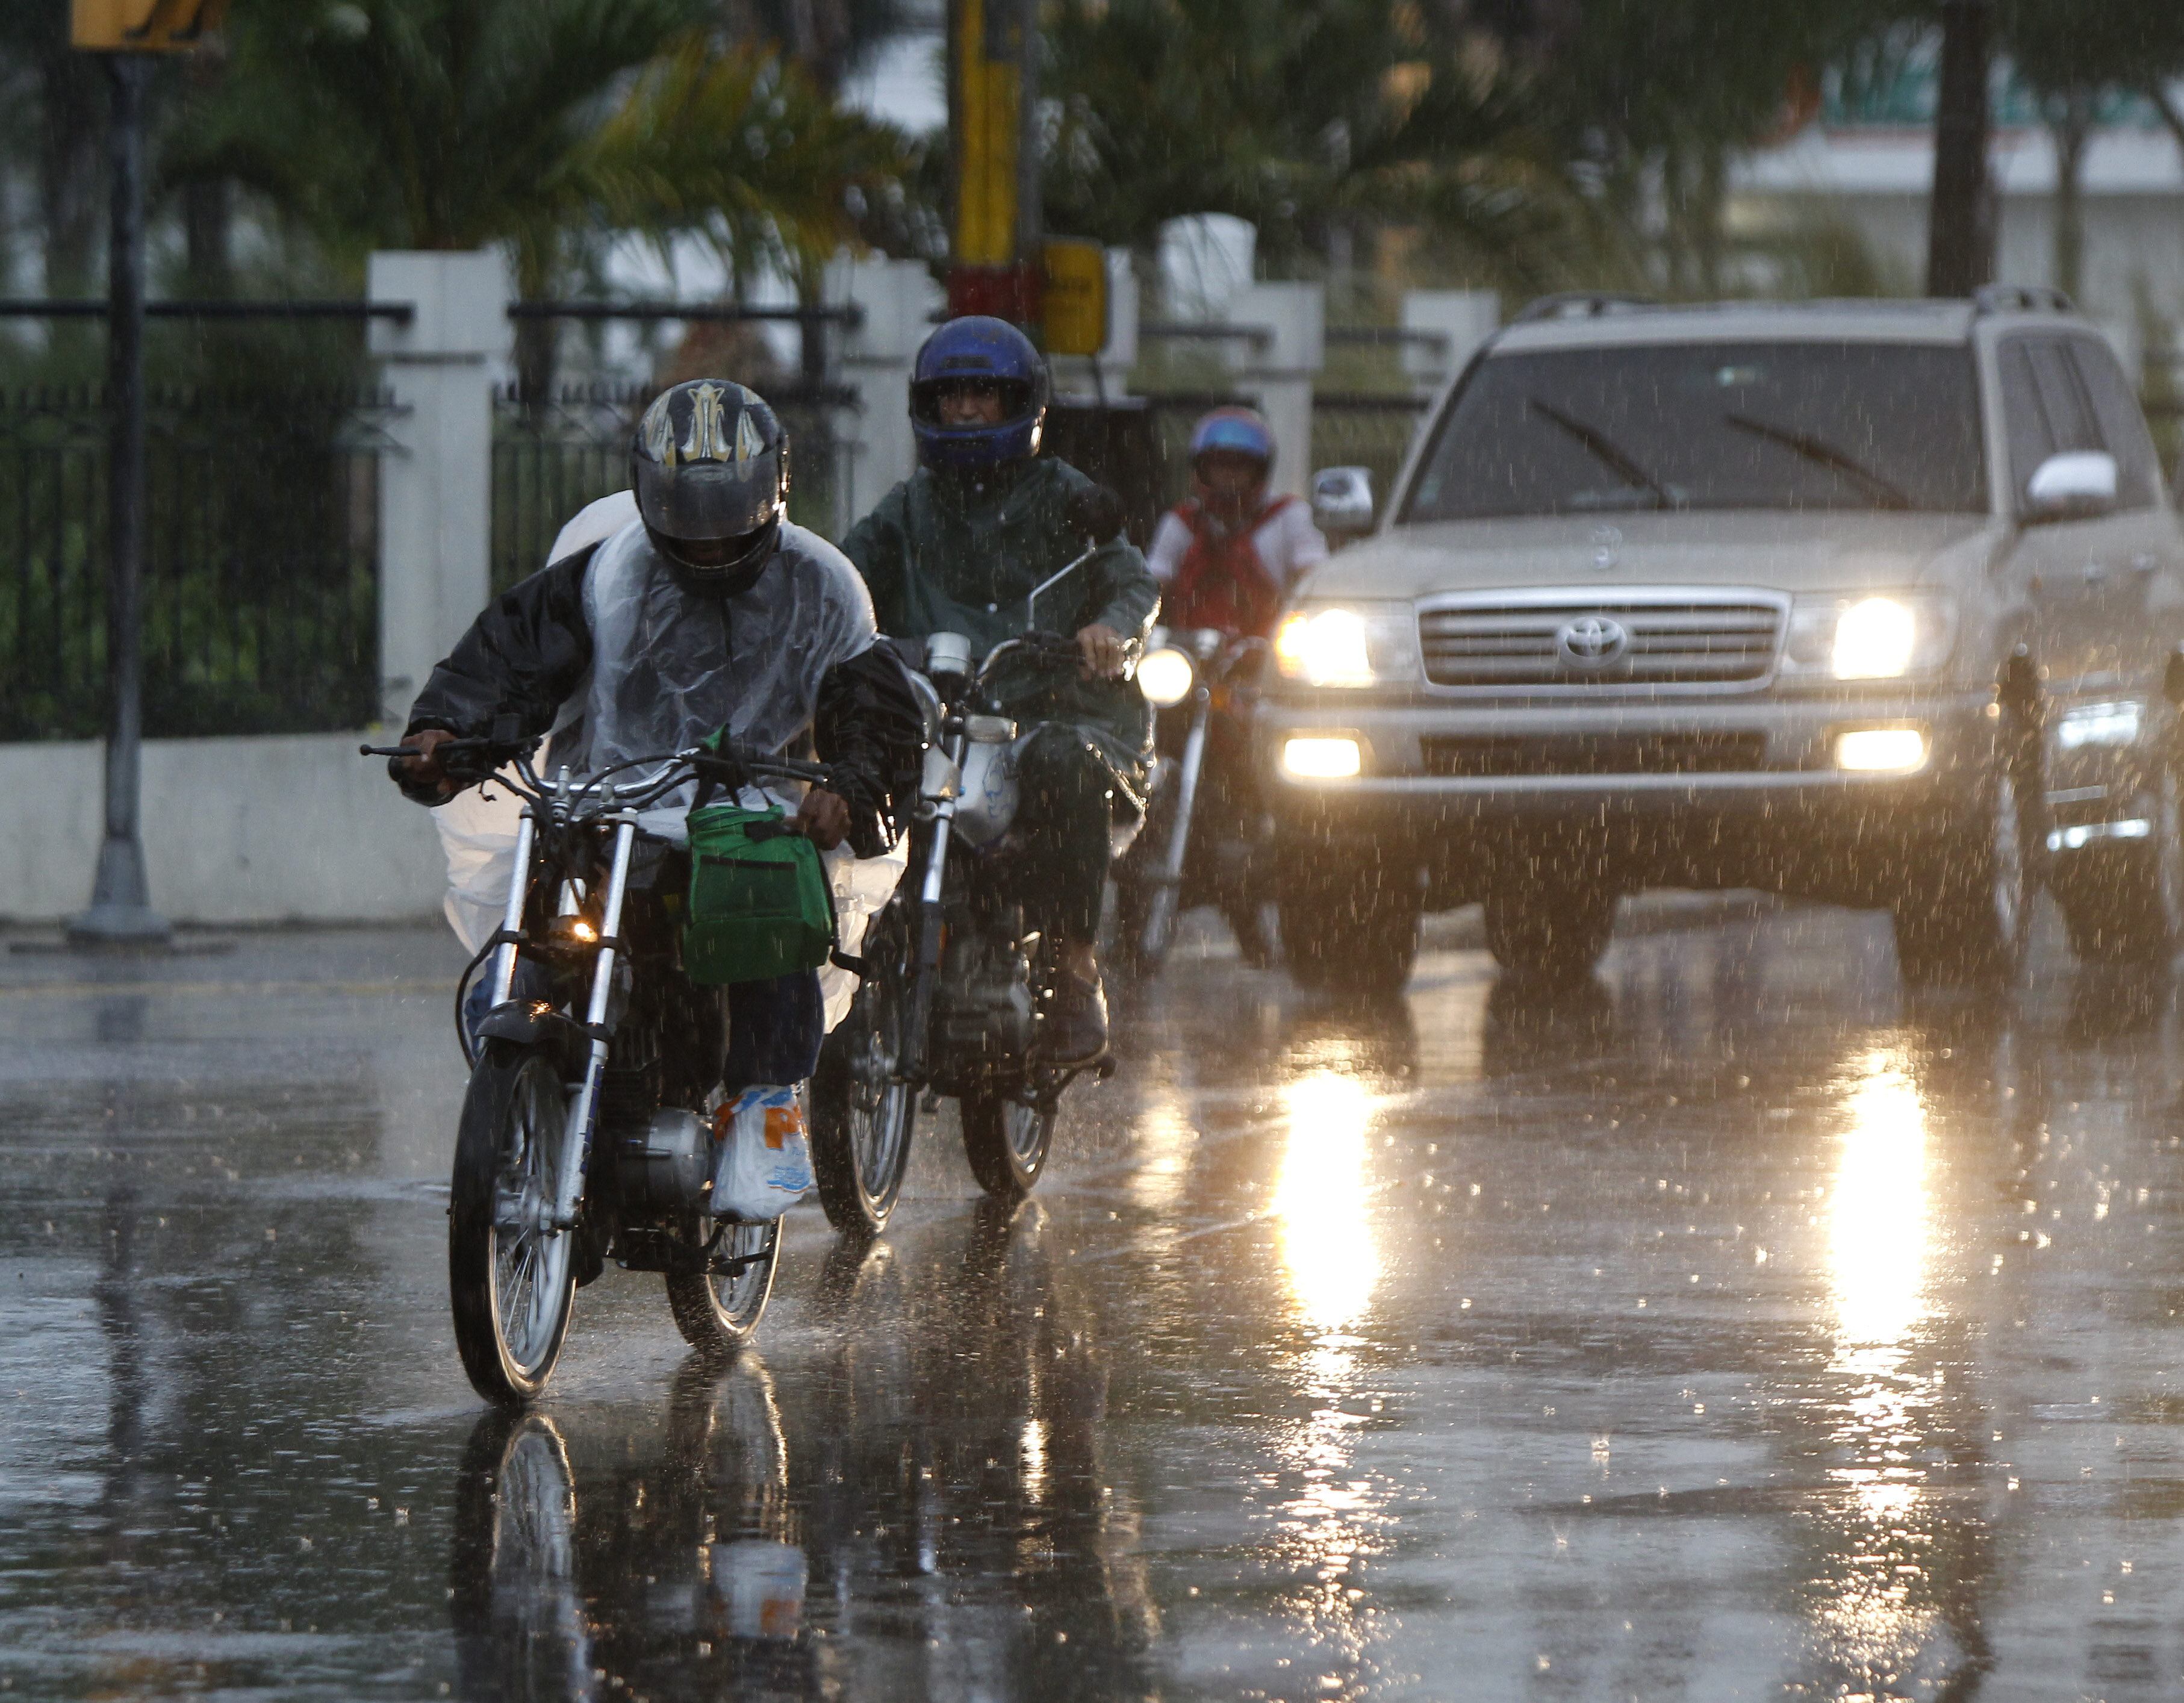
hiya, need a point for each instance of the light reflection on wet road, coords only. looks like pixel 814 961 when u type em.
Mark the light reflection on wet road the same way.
pixel 1732 1329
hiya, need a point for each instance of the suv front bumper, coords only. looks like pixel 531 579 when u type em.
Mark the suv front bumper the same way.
pixel 1441 777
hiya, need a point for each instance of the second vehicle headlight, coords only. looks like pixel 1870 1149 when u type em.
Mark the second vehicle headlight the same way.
pixel 1872 638
pixel 1361 644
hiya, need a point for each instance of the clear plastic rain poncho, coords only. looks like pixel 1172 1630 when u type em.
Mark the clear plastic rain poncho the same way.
pixel 669 666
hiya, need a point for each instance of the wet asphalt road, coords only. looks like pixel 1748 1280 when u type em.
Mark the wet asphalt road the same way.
pixel 1737 1329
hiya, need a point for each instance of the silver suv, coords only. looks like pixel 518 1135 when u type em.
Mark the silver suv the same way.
pixel 1872 602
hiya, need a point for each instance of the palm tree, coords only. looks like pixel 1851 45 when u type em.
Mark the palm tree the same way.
pixel 542 126
pixel 1316 120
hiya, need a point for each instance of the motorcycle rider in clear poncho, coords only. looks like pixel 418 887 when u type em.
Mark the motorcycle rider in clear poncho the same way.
pixel 709 610
pixel 959 547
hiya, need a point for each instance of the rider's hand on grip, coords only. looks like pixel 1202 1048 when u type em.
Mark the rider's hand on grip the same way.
pixel 1105 652
pixel 425 771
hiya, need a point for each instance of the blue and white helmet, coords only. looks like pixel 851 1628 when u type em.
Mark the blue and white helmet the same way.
pixel 1240 431
pixel 977 347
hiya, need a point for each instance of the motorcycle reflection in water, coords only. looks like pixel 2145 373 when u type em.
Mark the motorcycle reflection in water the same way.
pixel 686 1576
pixel 869 1522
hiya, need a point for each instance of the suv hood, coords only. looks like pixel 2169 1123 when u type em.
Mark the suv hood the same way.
pixel 1781 551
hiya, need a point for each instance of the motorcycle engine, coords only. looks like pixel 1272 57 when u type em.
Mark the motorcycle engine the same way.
pixel 667 1166
pixel 982 1012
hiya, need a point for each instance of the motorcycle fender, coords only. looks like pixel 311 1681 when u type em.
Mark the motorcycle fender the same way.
pixel 521 1020
pixel 525 1022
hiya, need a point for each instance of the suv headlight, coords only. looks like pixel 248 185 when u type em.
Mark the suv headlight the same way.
pixel 1348 644
pixel 1883 636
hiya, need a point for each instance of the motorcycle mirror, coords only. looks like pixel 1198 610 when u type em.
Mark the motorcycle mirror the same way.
pixel 1096 515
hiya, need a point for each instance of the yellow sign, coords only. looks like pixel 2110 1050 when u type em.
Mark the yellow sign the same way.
pixel 143 26
pixel 1075 314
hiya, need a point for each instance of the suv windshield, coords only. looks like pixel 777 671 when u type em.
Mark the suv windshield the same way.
pixel 1709 425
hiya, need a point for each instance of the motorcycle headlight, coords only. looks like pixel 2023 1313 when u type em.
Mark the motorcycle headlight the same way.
pixel 1880 637
pixel 1367 645
pixel 1165 678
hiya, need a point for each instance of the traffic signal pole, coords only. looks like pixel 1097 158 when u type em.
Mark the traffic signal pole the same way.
pixel 121 912
pixel 992 95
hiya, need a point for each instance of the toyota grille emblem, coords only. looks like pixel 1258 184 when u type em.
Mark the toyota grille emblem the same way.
pixel 1592 641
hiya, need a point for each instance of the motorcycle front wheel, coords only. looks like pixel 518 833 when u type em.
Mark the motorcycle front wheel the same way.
pixel 510 1278
pixel 863 1115
pixel 1006 1143
pixel 717 1311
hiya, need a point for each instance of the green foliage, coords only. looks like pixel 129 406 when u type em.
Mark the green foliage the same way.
pixel 1305 118
pixel 456 124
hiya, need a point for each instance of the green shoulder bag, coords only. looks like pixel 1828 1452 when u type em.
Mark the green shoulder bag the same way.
pixel 760 905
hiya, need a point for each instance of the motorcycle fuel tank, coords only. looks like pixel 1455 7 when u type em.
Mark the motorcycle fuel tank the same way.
pixel 989 802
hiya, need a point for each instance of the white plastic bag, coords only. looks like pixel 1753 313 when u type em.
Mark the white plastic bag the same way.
pixel 477 832
pixel 762 1162
pixel 862 886
pixel 758 1587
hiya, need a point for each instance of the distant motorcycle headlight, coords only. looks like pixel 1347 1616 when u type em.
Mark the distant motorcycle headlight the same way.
pixel 1165 678
pixel 1327 647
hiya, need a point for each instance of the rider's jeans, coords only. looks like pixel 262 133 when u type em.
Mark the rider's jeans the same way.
pixel 774 1031
pixel 1065 788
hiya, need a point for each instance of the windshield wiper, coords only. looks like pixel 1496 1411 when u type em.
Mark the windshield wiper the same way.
pixel 1885 494
pixel 1610 454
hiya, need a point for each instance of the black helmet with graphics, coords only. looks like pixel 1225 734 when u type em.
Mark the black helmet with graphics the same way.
pixel 710 466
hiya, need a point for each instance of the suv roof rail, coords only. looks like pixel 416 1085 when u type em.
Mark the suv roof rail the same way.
pixel 2022 298
pixel 1579 305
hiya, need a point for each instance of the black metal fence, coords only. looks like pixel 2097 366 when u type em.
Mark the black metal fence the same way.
pixel 551 458
pixel 260 589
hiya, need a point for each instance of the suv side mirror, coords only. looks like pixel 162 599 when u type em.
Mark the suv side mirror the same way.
pixel 1342 500
pixel 2076 485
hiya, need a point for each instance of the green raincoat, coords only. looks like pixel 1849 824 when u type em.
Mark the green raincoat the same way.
pixel 946 555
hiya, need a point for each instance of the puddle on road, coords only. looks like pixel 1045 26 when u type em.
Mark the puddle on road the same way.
pixel 1727 1326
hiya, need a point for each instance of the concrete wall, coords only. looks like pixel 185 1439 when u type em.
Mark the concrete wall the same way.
pixel 287 828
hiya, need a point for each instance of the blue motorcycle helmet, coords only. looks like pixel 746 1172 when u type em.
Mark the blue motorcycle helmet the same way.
pixel 979 349
pixel 1241 431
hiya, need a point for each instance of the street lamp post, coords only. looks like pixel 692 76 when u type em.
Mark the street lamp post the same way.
pixel 120 911
pixel 126 34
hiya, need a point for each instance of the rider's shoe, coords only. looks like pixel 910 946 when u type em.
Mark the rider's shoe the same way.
pixel 1077 1027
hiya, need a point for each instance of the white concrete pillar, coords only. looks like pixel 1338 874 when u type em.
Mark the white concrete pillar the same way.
pixel 436 483
pixel 899 299
pixel 1278 368
pixel 1461 320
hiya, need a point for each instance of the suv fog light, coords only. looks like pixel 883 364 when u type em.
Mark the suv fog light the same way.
pixel 2100 724
pixel 1871 750
pixel 1322 759
pixel 2091 833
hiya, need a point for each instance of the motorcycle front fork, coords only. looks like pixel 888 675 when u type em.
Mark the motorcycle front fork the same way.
pixel 576 1139
pixel 911 1062
pixel 1193 763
